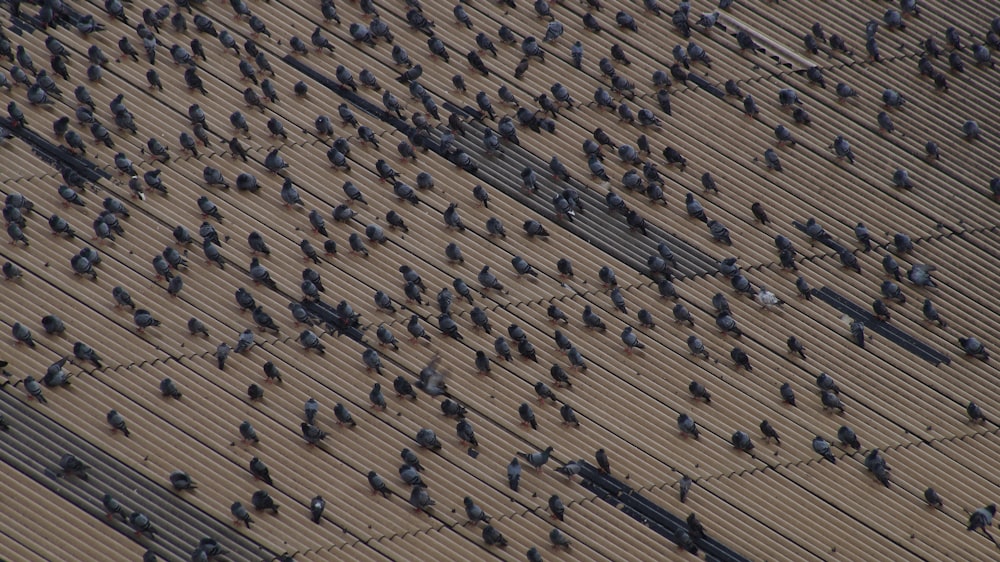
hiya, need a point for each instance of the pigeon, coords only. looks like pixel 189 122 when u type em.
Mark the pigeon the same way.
pixel 255 392
pixel 767 299
pixel 982 519
pixel 544 392
pixel 140 522
pixel 920 275
pixel 863 236
pixel 846 436
pixel 687 426
pixel 69 464
pixel 52 324
pixel 699 392
pixel 311 408
pixel 143 319
pixel 426 438
pixel 371 360
pixel 696 346
pixel 557 508
pixel 112 507
pixel 309 340
pixel 181 480
pixel 410 475
pixel 826 383
pixel 787 394
pixel 831 401
pixel 514 474
pixel 558 539
pixel 169 388
pixel 803 287
pixel 769 432
pixel 881 311
pixel 892 291
pixel 975 413
pixel 630 340
pixel 875 463
pixel 244 342
pixel 312 434
pixel 318 504
pixel 822 447
pixel 493 537
pixel 248 433
pixel 741 440
pixel 343 415
pixel 466 434
pixel 682 314
pixel 22 335
pixel 567 413
pixel 376 397
pixel 719 232
pixel 117 422
pixel 933 499
pixel 538 459
pixel 646 318
pixel 11 271
pixel 932 315
pixel 741 358
pixel 240 514
pixel 727 324
pixel 83 352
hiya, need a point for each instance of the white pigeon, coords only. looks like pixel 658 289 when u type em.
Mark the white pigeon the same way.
pixel 768 299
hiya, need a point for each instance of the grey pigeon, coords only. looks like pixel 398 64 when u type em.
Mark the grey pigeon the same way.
pixel 826 383
pixel 112 507
pixel 875 463
pixel 493 537
pixel 698 391
pixel 343 415
pixel 982 519
pixel 975 413
pixel 538 459
pixel 181 480
pixel 52 324
pixel 931 313
pixel 687 426
pixel 719 232
pixel 769 432
pixel 787 394
pixel 822 447
pixel 169 388
pixel 143 319
pixel 741 358
pixel 558 539
pixel 372 360
pixel 140 522
pixel 318 504
pixel 240 514
pixel 846 436
pixel 933 499
pixel 84 352
pixel 920 275
pixel 309 340
pixel 117 422
pixel 696 346
pixel 312 434
pixel 741 440
pixel 831 401
pixel 426 438
pixel 248 433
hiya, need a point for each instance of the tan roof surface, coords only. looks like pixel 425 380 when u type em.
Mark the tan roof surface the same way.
pixel 779 502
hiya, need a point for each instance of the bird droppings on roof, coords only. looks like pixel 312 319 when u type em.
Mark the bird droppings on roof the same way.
pixel 405 259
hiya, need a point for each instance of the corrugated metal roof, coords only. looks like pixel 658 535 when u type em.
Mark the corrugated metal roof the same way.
pixel 627 403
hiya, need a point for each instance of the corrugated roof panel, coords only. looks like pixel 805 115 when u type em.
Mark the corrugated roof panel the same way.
pixel 627 403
